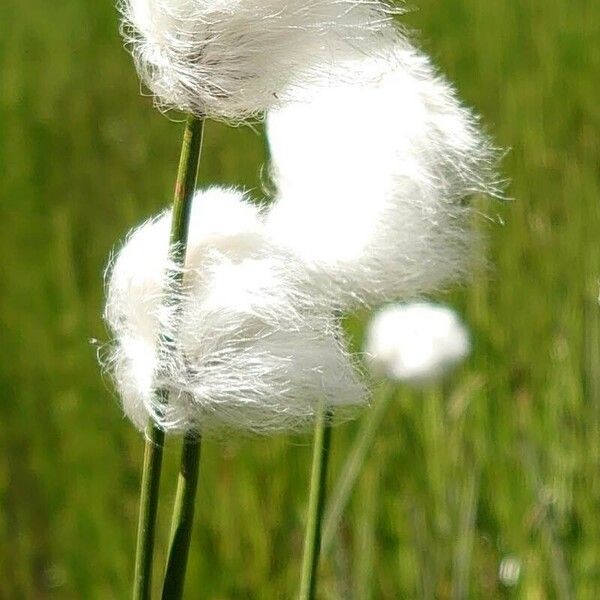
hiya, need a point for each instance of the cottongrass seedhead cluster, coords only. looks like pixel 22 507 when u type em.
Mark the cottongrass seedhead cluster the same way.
pixel 372 159
pixel 247 344
pixel 231 59
pixel 415 343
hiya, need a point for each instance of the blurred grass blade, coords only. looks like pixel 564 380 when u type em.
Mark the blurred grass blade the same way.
pixel 318 480
pixel 184 191
pixel 352 467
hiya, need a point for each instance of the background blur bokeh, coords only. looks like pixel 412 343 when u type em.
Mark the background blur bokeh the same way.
pixel 489 487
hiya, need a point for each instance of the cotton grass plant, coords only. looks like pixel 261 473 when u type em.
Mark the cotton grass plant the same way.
pixel 385 202
pixel 226 318
pixel 186 180
pixel 147 314
pixel 407 345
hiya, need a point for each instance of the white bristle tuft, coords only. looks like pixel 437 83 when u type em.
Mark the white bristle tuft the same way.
pixel 253 348
pixel 415 343
pixel 230 59
pixel 371 166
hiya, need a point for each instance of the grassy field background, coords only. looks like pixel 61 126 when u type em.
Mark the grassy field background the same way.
pixel 501 465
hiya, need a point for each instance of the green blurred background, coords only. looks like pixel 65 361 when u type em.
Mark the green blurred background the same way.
pixel 499 470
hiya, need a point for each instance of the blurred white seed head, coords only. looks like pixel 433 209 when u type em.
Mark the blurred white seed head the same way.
pixel 509 571
pixel 254 347
pixel 231 58
pixel 415 343
pixel 375 160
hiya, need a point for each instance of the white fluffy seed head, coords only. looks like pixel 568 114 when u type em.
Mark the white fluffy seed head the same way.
pixel 375 161
pixel 415 343
pixel 251 347
pixel 230 59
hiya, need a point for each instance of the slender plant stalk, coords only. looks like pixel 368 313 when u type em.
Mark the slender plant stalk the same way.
pixel 148 507
pixel 318 479
pixel 183 519
pixel 184 189
pixel 352 467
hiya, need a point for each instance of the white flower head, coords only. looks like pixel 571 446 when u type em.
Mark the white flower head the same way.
pixel 372 164
pixel 509 571
pixel 251 346
pixel 229 59
pixel 415 343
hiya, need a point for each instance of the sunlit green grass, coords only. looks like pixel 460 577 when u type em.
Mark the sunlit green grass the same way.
pixel 504 461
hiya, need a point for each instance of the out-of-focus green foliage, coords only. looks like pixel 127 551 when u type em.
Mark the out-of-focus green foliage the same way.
pixel 502 462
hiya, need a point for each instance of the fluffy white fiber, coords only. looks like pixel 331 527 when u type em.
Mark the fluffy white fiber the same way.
pixel 373 158
pixel 415 343
pixel 255 349
pixel 372 164
pixel 231 59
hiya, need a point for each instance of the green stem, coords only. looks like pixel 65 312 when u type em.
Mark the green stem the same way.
pixel 352 467
pixel 318 479
pixel 184 190
pixel 183 519
pixel 148 508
